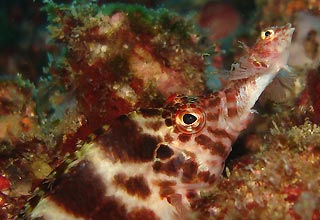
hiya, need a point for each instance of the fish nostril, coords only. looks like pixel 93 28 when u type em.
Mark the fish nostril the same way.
pixel 164 152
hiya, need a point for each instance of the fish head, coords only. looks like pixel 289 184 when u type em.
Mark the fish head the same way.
pixel 269 54
pixel 274 41
pixel 197 144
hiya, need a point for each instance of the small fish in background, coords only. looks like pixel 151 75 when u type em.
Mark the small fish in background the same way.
pixel 264 56
pixel 261 59
pixel 153 164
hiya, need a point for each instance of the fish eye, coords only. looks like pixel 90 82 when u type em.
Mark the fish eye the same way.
pixel 267 34
pixel 190 120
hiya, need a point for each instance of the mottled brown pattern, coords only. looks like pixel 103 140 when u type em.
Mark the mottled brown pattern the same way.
pixel 204 176
pixel 166 188
pixel 220 133
pixel 184 137
pixel 110 209
pixel 212 178
pixel 232 112
pixel 168 138
pixel 164 152
pixel 133 185
pixel 190 169
pixel 212 117
pixel 154 125
pixel 79 191
pixel 142 214
pixel 214 147
pixel 170 167
pixel 124 141
pixel 230 95
pixel 168 122
pixel 213 103
pixel 153 112
pixel 192 194
pixel 166 114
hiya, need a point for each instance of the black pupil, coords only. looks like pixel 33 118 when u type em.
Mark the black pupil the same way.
pixel 267 33
pixel 189 118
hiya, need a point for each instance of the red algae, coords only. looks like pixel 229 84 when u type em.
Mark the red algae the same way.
pixel 105 63
pixel 23 155
pixel 121 57
pixel 4 183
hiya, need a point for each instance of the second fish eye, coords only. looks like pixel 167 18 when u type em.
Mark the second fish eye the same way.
pixel 267 34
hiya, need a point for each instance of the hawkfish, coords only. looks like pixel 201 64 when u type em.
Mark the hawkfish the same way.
pixel 152 164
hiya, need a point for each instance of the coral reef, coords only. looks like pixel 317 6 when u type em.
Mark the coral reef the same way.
pixel 103 62
pixel 107 60
pixel 115 58
pixel 278 178
pixel 24 158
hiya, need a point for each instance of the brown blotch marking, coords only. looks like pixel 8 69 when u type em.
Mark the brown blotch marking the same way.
pixel 212 178
pixel 192 194
pixel 38 218
pixel 171 167
pixel 150 112
pixel 168 138
pixel 142 214
pixel 228 91
pixel 204 176
pixel 214 147
pixel 166 188
pixel 164 152
pixel 263 64
pixel 212 117
pixel 110 209
pixel 168 122
pixel 232 112
pixel 175 199
pixel 154 125
pixel 220 133
pixel 184 137
pixel 134 185
pixel 190 169
pixel 166 114
pixel 230 96
pixel 125 141
pixel 79 191
pixel 215 102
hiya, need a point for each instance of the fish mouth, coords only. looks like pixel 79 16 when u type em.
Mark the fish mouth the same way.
pixel 290 29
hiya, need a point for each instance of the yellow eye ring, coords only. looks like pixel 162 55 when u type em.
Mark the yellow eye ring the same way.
pixel 190 120
pixel 267 34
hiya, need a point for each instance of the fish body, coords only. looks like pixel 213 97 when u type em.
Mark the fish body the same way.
pixel 268 55
pixel 152 164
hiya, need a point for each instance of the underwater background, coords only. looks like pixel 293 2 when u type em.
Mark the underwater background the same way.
pixel 61 79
